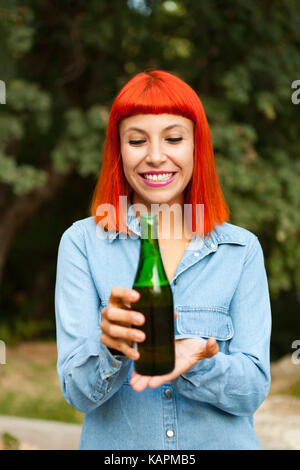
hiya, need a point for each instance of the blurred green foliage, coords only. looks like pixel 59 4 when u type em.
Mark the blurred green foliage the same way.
pixel 64 62
pixel 294 390
pixel 34 365
pixel 42 407
pixel 9 441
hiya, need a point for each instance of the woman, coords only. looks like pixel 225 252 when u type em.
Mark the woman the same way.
pixel 216 272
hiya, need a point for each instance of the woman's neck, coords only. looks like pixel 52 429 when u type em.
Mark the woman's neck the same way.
pixel 171 222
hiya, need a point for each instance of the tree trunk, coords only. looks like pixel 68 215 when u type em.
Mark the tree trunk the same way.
pixel 22 209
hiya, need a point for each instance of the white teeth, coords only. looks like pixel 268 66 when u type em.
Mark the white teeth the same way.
pixel 160 177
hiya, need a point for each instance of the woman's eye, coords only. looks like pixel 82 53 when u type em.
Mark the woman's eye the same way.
pixel 171 140
pixel 136 142
pixel 175 139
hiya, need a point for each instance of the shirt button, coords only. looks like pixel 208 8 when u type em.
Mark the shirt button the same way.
pixel 212 245
pixel 168 393
pixel 196 254
pixel 170 433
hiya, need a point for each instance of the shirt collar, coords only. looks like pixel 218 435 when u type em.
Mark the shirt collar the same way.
pixel 132 224
pixel 224 233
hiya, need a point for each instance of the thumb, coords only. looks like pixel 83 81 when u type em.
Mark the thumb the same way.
pixel 212 347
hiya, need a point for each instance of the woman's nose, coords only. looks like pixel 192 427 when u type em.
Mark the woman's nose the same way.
pixel 155 154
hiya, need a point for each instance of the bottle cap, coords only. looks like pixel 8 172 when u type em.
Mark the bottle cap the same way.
pixel 149 217
pixel 148 222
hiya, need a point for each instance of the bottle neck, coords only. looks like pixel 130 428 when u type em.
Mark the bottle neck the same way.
pixel 149 236
pixel 151 270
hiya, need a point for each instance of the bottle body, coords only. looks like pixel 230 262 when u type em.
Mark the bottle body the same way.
pixel 157 351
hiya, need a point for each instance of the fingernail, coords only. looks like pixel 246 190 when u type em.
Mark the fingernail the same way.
pixel 134 294
pixel 138 319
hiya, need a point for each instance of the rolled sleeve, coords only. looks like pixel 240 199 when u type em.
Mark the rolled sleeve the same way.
pixel 237 382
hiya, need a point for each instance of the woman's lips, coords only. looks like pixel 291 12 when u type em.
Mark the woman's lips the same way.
pixel 158 183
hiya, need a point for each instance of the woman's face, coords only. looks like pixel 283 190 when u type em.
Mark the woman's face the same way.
pixel 153 144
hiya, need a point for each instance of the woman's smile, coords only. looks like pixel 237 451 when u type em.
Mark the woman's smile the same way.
pixel 155 179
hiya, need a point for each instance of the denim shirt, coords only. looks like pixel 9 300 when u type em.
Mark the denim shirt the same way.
pixel 220 289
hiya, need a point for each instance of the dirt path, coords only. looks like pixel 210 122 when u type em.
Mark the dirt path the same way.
pixel 34 434
pixel 277 423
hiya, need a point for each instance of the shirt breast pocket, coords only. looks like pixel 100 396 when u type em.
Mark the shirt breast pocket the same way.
pixel 204 322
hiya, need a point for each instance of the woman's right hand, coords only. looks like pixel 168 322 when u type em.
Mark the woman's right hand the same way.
pixel 117 319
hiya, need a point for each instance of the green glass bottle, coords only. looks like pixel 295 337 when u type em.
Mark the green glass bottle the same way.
pixel 157 351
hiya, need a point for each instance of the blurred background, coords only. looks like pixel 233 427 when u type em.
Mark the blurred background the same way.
pixel 62 63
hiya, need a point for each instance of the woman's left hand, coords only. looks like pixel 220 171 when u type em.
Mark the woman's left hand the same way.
pixel 187 353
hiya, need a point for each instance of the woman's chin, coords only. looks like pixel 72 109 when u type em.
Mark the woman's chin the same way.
pixel 157 199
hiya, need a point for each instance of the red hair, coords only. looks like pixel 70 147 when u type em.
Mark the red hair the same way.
pixel 158 92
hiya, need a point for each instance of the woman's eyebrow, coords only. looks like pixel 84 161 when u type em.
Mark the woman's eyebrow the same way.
pixel 165 129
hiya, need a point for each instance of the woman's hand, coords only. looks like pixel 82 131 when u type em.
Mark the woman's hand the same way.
pixel 117 319
pixel 187 353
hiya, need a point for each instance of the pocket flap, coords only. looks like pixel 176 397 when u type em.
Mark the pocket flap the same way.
pixel 205 322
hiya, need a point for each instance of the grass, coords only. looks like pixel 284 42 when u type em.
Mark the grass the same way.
pixel 30 387
pixel 9 442
pixel 38 407
pixel 294 390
